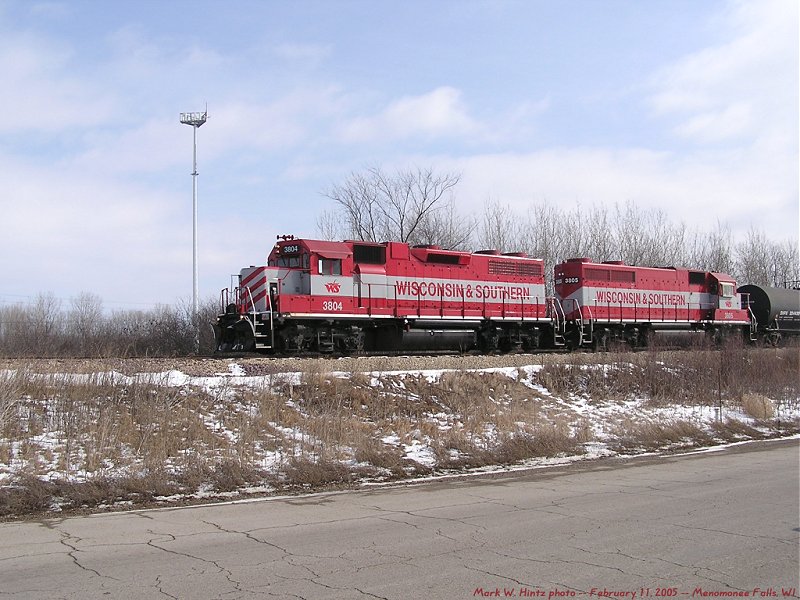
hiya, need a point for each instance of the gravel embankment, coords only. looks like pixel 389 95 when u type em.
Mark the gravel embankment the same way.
pixel 202 366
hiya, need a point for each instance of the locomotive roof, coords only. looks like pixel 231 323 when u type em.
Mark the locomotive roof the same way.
pixel 328 249
pixel 723 277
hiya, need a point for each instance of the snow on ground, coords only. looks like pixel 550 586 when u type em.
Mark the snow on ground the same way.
pixel 220 411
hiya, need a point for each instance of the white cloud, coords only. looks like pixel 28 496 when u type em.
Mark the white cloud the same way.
pixel 310 53
pixel 39 93
pixel 49 10
pixel 235 127
pixel 698 190
pixel 439 113
pixel 71 231
pixel 745 87
pixel 728 122
pixel 95 212
pixel 155 145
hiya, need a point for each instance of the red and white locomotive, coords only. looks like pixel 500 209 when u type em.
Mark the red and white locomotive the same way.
pixel 612 300
pixel 339 296
pixel 324 296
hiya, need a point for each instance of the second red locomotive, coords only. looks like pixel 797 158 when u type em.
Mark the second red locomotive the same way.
pixel 324 296
pixel 614 301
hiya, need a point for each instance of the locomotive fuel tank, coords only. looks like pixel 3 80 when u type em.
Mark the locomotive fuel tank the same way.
pixel 421 340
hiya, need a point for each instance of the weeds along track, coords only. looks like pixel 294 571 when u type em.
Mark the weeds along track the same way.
pixel 82 434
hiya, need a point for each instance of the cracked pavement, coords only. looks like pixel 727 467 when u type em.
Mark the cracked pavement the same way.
pixel 719 521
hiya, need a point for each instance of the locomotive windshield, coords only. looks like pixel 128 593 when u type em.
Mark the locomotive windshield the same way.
pixel 298 261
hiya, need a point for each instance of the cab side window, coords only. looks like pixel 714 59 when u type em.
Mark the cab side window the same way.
pixel 330 266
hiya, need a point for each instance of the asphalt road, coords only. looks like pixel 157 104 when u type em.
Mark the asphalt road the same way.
pixel 703 525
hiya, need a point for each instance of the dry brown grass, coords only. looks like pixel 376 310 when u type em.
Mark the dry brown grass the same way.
pixel 306 472
pixel 379 454
pixel 135 442
pixel 649 437
pixel 734 430
pixel 544 442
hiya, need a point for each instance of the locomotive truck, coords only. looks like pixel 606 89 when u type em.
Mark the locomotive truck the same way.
pixel 352 296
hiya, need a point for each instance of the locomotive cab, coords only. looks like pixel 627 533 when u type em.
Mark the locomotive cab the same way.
pixel 293 262
pixel 723 290
pixel 728 307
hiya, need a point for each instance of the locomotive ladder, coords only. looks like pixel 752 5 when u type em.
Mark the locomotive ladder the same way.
pixel 586 326
pixel 559 320
pixel 263 331
pixel 259 330
pixel 583 324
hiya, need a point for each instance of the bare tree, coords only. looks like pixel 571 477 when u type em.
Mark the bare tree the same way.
pixel 763 262
pixel 711 250
pixel 331 227
pixel 600 244
pixel 85 321
pixel 786 261
pixel 633 229
pixel 377 206
pixel 544 236
pixel 499 228
pixel 47 323
pixel 447 228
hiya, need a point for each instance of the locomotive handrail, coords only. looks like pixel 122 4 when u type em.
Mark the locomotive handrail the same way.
pixel 224 299
pixel 753 322
pixel 253 305
pixel 678 313
pixel 559 319
pixel 591 325
pixel 579 310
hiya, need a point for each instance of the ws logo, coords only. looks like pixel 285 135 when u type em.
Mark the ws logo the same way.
pixel 334 287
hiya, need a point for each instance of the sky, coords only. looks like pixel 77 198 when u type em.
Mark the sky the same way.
pixel 685 106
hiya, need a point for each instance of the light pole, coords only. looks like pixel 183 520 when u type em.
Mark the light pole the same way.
pixel 195 119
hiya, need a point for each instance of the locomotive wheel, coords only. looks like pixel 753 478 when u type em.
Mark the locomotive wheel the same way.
pixel 488 340
pixel 351 341
pixel 601 341
pixel 572 338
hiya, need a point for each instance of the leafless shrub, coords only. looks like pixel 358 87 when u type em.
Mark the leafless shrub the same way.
pixel 545 441
pixel 561 378
pixel 609 379
pixel 231 475
pixel 307 472
pixel 26 495
pixel 145 487
pixel 10 397
pixel 327 430
pixel 698 377
pixel 655 436
pixel 30 495
pixel 87 330
pixel 457 449
pixel 732 430
pixel 379 455
pixel 413 468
